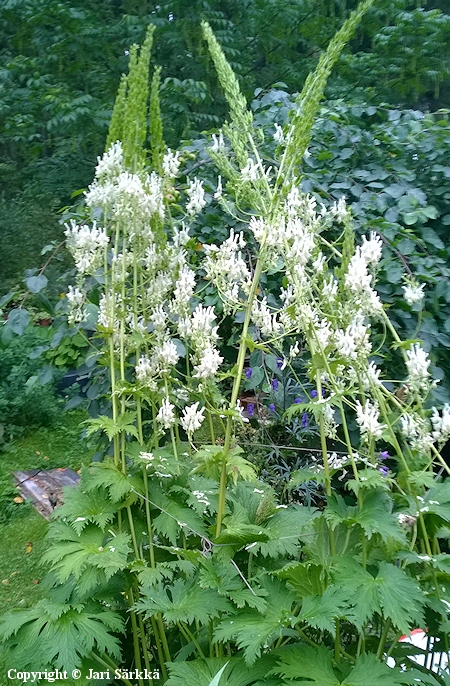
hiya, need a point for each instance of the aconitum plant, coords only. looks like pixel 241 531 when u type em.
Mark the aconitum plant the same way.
pixel 173 541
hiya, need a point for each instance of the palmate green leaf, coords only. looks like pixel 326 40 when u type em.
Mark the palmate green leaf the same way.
pixel 71 553
pixel 175 517
pixel 391 593
pixel 283 529
pixel 225 579
pixel 235 672
pixel 46 636
pixel 251 629
pixel 182 601
pixel 107 475
pixel 437 501
pixel 124 423
pixel 302 664
pixel 374 516
pixel 80 508
pixel 321 611
pixel 306 578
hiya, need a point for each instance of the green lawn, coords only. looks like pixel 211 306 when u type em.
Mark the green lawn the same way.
pixel 22 529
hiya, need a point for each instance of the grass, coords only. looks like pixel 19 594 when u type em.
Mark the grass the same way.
pixel 22 529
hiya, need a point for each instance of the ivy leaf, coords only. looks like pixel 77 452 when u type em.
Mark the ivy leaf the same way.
pixel 183 601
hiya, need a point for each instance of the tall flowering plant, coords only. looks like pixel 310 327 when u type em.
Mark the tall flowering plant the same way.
pixel 172 539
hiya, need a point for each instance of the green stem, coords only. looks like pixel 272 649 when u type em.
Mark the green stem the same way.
pixel 234 394
pixel 109 664
pixel 159 647
pixel 383 638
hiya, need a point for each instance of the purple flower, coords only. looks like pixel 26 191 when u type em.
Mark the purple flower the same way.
pixel 384 455
pixel 275 384
pixel 272 407
pixel 314 394
pixel 248 373
pixel 384 471
pixel 298 401
pixel 251 409
pixel 305 420
pixel 280 362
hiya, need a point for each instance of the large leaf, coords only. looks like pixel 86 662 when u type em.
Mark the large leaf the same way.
pixel 182 601
pixel 313 666
pixel 18 320
pixel 391 593
pixel 373 516
pixel 72 553
pixel 251 629
pixel 59 635
pixel 106 474
pixel 283 530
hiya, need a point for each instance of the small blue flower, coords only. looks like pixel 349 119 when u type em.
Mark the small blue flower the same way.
pixel 298 401
pixel 305 420
pixel 248 373
pixel 384 455
pixel 275 384
pixel 314 394
pixel 280 362
pixel 384 471
pixel 251 409
pixel 272 407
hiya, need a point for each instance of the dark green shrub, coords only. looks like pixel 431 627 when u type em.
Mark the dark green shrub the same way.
pixel 25 399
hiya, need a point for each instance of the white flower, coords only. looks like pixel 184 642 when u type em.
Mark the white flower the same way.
pixel 218 143
pixel 278 136
pixel 441 424
pixel 167 355
pixel 111 164
pixel 372 374
pixel 209 363
pixel 192 418
pixel 171 163
pixel 415 429
pixel 183 291
pixel 339 210
pixel 219 189
pixel 371 249
pixel 413 292
pixel 251 171
pixel 86 245
pixel 417 365
pixel 166 414
pixel 367 418
pixel 196 197
pixel 240 411
pixel 75 297
pixel 264 319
